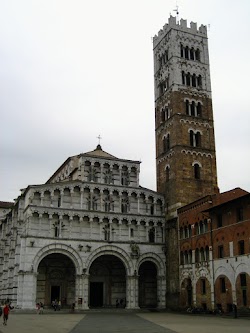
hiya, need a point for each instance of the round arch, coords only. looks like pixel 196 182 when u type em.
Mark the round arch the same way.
pixel 110 250
pixel 155 259
pixel 61 249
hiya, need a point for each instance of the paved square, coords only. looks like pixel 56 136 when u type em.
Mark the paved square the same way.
pixel 121 322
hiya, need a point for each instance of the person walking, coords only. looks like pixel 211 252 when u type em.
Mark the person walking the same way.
pixel 6 311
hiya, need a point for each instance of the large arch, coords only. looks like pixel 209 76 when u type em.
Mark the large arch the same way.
pixel 155 259
pixel 62 249
pixel 107 282
pixel 56 267
pixel 148 284
pixel 111 250
pixel 56 280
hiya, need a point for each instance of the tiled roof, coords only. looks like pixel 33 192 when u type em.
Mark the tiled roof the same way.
pixel 6 204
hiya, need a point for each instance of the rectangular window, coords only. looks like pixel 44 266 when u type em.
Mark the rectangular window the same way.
pixel 131 232
pixel 239 214
pixel 219 220
pixel 222 285
pixel 203 286
pixel 220 251
pixel 241 247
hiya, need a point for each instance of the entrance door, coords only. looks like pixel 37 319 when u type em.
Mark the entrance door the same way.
pixel 55 293
pixel 96 294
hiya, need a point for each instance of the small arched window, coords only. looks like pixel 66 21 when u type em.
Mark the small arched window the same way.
pixel 183 77
pixel 187 107
pixel 151 235
pixel 197 171
pixel 167 173
pixel 197 55
pixel 199 81
pixel 199 109
pixel 193 80
pixel 188 81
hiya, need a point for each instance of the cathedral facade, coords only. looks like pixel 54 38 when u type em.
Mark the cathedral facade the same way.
pixel 91 235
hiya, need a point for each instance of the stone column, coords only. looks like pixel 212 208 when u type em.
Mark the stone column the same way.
pixel 85 284
pixel 101 200
pixel 161 291
pixel 193 280
pixel 71 197
pixel 101 174
pixel 61 198
pixel 81 204
pixel 40 222
pixel 27 282
pixel 79 291
pixel 50 225
pixel 42 196
pixel 132 291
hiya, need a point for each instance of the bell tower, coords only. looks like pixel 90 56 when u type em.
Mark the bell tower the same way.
pixel 184 129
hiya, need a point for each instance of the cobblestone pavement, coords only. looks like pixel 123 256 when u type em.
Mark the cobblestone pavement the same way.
pixel 121 322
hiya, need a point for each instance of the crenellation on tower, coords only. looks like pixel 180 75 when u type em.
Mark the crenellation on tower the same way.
pixel 180 26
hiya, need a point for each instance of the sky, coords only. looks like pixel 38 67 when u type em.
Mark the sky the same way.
pixel 73 70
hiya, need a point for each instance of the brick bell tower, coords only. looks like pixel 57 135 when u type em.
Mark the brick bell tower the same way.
pixel 184 129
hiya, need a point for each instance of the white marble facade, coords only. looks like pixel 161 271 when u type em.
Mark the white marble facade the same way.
pixel 91 235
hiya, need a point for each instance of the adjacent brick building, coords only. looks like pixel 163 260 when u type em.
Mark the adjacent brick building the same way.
pixel 214 249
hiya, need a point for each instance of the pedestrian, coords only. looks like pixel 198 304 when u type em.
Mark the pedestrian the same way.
pixel 38 308
pixel 59 305
pixel 41 307
pixel 6 311
pixel 73 307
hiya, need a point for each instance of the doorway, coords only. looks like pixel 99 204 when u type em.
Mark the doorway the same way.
pixel 55 293
pixel 96 294
pixel 107 282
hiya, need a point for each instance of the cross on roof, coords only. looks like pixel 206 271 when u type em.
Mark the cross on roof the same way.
pixel 99 138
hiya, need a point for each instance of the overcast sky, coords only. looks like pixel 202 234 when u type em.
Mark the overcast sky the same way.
pixel 71 70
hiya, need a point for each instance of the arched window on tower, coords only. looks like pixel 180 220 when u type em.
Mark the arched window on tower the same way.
pixel 182 52
pixel 197 55
pixel 193 108
pixel 166 143
pixel 199 109
pixel 186 52
pixel 187 107
pixel 188 79
pixel 163 115
pixel 167 173
pixel 193 80
pixel 183 77
pixel 192 53
pixel 197 171
pixel 198 139
pixel 191 138
pixel 199 82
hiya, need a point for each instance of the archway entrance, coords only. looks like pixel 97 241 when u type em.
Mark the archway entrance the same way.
pixel 148 285
pixel 107 282
pixel 186 294
pixel 56 280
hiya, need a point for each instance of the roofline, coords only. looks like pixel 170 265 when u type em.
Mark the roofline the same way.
pixel 227 202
